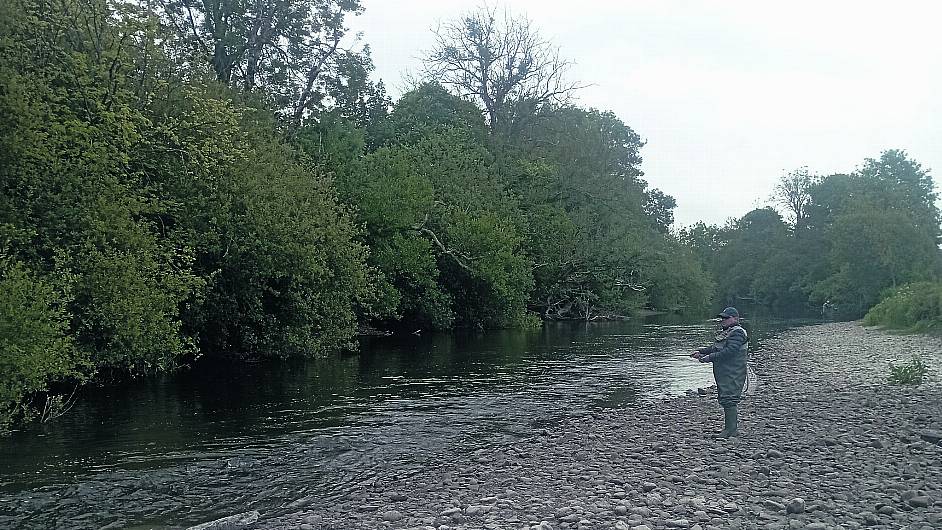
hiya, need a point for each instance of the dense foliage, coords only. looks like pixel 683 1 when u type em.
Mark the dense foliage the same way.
pixel 848 240
pixel 223 180
pixel 912 307
pixel 182 180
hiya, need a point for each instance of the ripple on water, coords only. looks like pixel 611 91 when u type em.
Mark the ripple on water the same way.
pixel 186 449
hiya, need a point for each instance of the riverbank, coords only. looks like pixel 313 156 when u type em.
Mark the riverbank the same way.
pixel 825 443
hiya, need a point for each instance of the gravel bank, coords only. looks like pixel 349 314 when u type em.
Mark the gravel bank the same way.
pixel 824 443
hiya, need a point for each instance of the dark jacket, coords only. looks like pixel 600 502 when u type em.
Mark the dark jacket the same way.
pixel 728 355
pixel 731 346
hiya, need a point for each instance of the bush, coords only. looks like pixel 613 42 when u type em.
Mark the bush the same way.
pixel 35 348
pixel 914 307
pixel 915 372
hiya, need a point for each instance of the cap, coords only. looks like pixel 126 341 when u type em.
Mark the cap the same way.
pixel 729 312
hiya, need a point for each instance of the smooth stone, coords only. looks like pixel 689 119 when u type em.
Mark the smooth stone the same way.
pixel 931 436
pixel 796 505
pixel 238 520
pixel 392 516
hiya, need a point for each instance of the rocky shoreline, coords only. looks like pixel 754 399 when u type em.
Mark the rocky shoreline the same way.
pixel 825 443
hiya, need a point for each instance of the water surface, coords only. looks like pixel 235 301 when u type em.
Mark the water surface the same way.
pixel 178 450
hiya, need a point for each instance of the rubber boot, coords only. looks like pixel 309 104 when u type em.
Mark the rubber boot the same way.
pixel 730 422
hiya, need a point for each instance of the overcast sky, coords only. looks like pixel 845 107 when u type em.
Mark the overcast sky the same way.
pixel 729 95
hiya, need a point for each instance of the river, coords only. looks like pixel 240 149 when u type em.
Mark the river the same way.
pixel 178 450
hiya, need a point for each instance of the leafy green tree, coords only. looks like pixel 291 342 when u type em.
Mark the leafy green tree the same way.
pixel 151 211
pixel 828 198
pixel 290 50
pixel 873 249
pixel 37 349
pixel 427 110
pixel 659 207
pixel 71 190
pixel 356 99
pixel 855 235
pixel 705 240
pixel 613 251
pixel 289 275
pixel 896 182
pixel 875 229
pixel 437 201
pixel 675 278
pixel 747 251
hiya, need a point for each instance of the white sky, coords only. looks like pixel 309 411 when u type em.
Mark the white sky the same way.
pixel 729 95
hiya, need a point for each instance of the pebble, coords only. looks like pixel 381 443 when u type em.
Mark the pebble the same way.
pixel 796 505
pixel 824 418
pixel 392 516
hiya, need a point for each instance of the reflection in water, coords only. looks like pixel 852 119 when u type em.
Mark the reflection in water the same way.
pixel 210 442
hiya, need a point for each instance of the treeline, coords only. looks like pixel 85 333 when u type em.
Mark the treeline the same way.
pixel 182 179
pixel 846 242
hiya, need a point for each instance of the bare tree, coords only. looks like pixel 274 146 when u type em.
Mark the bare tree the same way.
pixel 501 63
pixel 793 191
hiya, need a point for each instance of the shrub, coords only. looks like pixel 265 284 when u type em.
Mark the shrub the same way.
pixel 913 307
pixel 915 372
pixel 35 348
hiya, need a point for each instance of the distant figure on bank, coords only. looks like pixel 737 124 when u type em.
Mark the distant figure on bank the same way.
pixel 728 355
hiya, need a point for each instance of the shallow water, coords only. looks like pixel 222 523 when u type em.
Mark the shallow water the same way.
pixel 183 449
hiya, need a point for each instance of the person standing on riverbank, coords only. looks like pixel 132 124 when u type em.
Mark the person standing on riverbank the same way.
pixel 728 354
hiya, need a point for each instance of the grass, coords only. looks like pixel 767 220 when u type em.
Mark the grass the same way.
pixel 914 372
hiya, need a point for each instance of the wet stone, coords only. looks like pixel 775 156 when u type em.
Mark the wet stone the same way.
pixel 646 466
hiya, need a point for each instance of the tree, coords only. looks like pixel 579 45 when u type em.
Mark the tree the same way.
pixel 501 63
pixel 37 349
pixel 72 191
pixel 901 183
pixel 290 49
pixel 705 240
pixel 747 251
pixel 425 111
pixel 355 98
pixel 793 191
pixel 828 197
pixel 445 230
pixel 288 273
pixel 146 212
pixel 873 249
pixel 596 233
pixel 659 208
pixel 578 178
